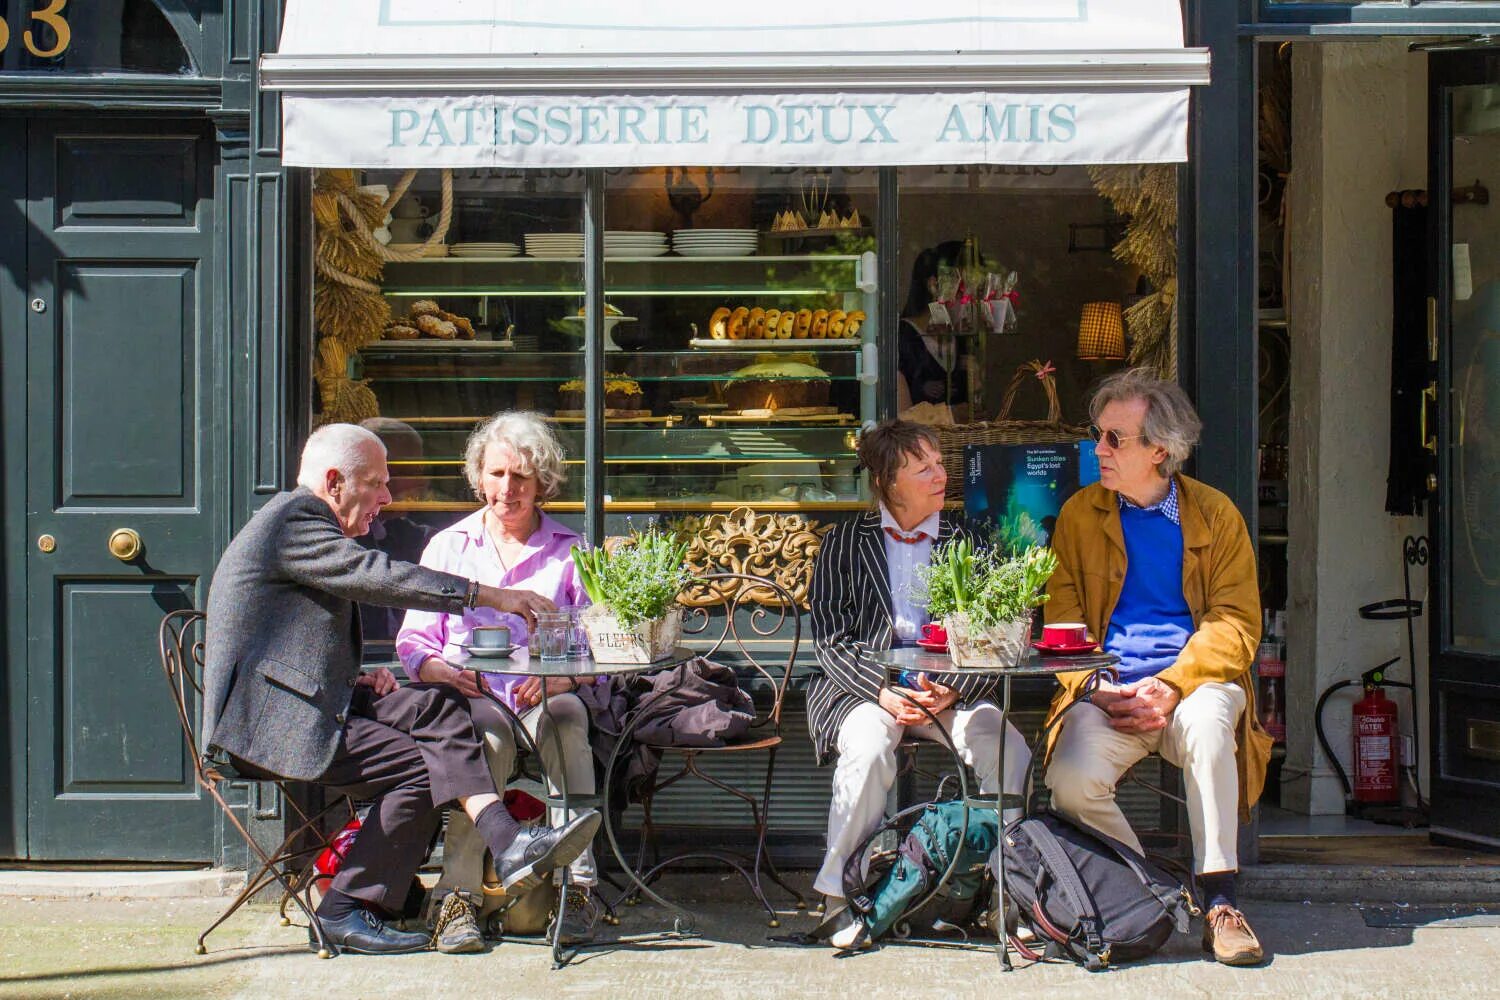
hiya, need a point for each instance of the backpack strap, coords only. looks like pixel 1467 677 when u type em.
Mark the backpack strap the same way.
pixel 856 884
pixel 1060 866
pixel 1172 900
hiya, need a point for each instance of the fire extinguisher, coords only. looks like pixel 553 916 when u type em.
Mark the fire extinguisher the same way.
pixel 1377 741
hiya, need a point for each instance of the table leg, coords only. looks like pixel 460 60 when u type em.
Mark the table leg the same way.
pixel 558 961
pixel 683 920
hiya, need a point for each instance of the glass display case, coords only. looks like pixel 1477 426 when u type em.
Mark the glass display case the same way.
pixel 740 362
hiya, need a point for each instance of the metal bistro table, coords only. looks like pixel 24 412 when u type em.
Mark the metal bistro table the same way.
pixel 523 664
pixel 936 665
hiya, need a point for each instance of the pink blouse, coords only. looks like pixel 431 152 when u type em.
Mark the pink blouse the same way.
pixel 545 568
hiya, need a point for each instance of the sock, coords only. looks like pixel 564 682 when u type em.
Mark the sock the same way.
pixel 498 827
pixel 1218 889
pixel 336 905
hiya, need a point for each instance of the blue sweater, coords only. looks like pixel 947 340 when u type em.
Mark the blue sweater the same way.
pixel 1151 621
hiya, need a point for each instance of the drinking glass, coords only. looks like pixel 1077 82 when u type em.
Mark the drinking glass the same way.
pixel 550 638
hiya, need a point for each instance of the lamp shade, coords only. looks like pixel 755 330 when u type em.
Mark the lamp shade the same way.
pixel 1101 332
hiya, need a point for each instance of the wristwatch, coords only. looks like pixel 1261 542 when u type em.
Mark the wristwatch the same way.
pixel 471 599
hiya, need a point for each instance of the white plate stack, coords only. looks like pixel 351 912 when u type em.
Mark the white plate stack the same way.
pixel 714 242
pixel 493 251
pixel 554 245
pixel 633 243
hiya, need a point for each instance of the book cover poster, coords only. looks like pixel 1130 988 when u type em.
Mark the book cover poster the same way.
pixel 1018 489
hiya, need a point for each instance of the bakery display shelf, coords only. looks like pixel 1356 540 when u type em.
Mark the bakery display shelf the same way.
pixel 435 345
pixel 567 377
pixel 617 417
pixel 762 344
pixel 801 234
pixel 778 417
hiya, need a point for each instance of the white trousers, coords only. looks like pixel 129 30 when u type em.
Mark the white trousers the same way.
pixel 1090 758
pixel 463 848
pixel 866 770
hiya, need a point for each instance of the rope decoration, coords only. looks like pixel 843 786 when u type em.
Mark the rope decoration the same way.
pixel 349 309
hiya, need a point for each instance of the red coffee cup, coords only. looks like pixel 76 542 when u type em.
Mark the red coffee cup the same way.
pixel 934 633
pixel 1065 634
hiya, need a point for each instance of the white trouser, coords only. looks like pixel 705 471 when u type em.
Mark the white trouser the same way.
pixel 1090 758
pixel 463 849
pixel 866 770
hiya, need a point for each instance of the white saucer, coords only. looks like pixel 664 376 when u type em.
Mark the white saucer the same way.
pixel 489 652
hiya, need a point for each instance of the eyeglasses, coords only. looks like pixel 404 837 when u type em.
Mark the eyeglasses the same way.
pixel 1112 438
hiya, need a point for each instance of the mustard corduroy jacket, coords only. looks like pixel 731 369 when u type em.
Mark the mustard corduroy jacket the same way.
pixel 1219 582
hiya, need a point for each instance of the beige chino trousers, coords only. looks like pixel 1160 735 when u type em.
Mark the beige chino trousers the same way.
pixel 1090 758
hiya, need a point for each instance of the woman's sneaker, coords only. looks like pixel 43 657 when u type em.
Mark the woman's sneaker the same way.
pixel 456 930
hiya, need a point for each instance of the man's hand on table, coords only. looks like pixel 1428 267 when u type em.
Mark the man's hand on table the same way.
pixel 382 680
pixel 1143 707
pixel 516 602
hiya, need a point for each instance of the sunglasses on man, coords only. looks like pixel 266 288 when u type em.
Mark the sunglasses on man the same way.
pixel 1111 437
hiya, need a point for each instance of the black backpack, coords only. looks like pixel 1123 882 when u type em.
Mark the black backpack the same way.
pixel 1090 897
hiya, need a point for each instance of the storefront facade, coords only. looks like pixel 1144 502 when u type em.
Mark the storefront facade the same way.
pixel 245 380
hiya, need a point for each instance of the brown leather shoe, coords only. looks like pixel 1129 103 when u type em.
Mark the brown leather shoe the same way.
pixel 1227 934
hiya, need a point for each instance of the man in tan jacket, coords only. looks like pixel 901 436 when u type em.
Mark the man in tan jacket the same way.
pixel 1161 569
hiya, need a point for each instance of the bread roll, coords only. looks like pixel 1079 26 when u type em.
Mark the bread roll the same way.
pixel 755 324
pixel 400 331
pixel 852 325
pixel 434 326
pixel 737 320
pixel 773 323
pixel 718 324
pixel 787 324
pixel 836 321
pixel 424 307
pixel 819 328
pixel 803 325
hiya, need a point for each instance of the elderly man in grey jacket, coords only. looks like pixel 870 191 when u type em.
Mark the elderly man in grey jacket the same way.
pixel 284 694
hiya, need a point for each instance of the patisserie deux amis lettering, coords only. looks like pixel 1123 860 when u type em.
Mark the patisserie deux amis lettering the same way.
pixel 593 123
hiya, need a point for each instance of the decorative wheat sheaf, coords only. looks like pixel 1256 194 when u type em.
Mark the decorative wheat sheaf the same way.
pixel 1147 194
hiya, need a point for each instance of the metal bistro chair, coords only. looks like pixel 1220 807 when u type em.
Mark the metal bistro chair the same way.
pixel 289 865
pixel 767 607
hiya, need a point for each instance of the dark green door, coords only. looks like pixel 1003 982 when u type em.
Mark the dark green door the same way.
pixel 121 419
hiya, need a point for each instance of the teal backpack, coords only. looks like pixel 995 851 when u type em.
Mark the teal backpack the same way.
pixel 934 837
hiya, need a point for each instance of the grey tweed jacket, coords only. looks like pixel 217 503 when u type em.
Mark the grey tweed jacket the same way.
pixel 282 648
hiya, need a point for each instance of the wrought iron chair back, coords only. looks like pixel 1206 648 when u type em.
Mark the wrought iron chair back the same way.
pixel 763 608
pixel 181 644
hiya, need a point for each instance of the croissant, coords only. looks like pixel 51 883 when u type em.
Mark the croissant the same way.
pixel 851 326
pixel 718 324
pixel 787 324
pixel 836 321
pixel 773 323
pixel 803 324
pixel 435 326
pixel 737 323
pixel 755 324
pixel 819 328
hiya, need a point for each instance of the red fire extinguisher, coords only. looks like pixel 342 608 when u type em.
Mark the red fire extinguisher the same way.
pixel 1377 743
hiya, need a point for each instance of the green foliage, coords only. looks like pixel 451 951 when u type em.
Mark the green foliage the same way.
pixel 989 585
pixel 639 580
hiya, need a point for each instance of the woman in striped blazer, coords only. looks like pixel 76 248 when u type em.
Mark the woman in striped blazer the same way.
pixel 864 597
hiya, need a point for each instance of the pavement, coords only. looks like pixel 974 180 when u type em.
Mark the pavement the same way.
pixel 97 947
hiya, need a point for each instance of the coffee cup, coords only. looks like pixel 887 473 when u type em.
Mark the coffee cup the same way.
pixel 1065 634
pixel 490 636
pixel 934 632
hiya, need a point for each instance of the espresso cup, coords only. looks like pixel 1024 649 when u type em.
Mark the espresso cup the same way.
pixel 1065 634
pixel 934 632
pixel 490 636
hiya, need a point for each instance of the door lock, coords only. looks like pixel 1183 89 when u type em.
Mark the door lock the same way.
pixel 38 305
pixel 46 543
pixel 125 544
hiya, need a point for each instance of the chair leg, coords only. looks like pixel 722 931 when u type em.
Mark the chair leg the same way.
pixel 762 827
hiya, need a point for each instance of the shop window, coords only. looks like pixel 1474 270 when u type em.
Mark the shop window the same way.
pixel 99 36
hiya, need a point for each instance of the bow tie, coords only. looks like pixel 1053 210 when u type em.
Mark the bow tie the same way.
pixel 903 537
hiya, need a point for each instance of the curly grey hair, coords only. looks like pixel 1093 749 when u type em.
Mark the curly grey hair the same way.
pixel 1171 421
pixel 534 444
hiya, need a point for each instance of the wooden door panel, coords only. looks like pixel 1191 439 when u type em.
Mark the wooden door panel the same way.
pixel 118 734
pixel 126 180
pixel 135 439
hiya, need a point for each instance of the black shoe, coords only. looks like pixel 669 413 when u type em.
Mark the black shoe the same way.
pixel 579 917
pixel 538 850
pixel 363 933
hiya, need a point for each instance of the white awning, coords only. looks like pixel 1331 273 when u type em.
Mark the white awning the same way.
pixel 569 83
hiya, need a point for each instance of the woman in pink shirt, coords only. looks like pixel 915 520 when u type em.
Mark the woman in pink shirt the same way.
pixel 514 462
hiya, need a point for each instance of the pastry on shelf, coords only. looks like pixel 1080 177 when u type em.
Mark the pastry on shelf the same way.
pixel 425 318
pixel 433 325
pixel 424 307
pixel 776 382
pixel 819 328
pixel 621 392
pixel 401 331
pixel 718 323
pixel 772 322
pixel 854 321
pixel 736 325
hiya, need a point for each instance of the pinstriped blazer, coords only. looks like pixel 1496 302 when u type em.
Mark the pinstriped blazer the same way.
pixel 850 602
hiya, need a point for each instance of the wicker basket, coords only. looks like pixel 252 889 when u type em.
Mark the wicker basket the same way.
pixel 1004 430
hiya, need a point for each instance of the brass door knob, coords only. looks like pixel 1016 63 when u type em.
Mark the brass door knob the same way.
pixel 125 544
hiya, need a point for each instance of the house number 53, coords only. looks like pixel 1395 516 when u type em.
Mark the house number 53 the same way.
pixel 52 17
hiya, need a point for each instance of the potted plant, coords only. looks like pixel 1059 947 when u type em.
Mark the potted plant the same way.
pixel 633 585
pixel 986 598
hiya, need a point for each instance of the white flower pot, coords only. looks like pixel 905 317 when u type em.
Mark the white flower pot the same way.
pixel 1000 646
pixel 611 642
